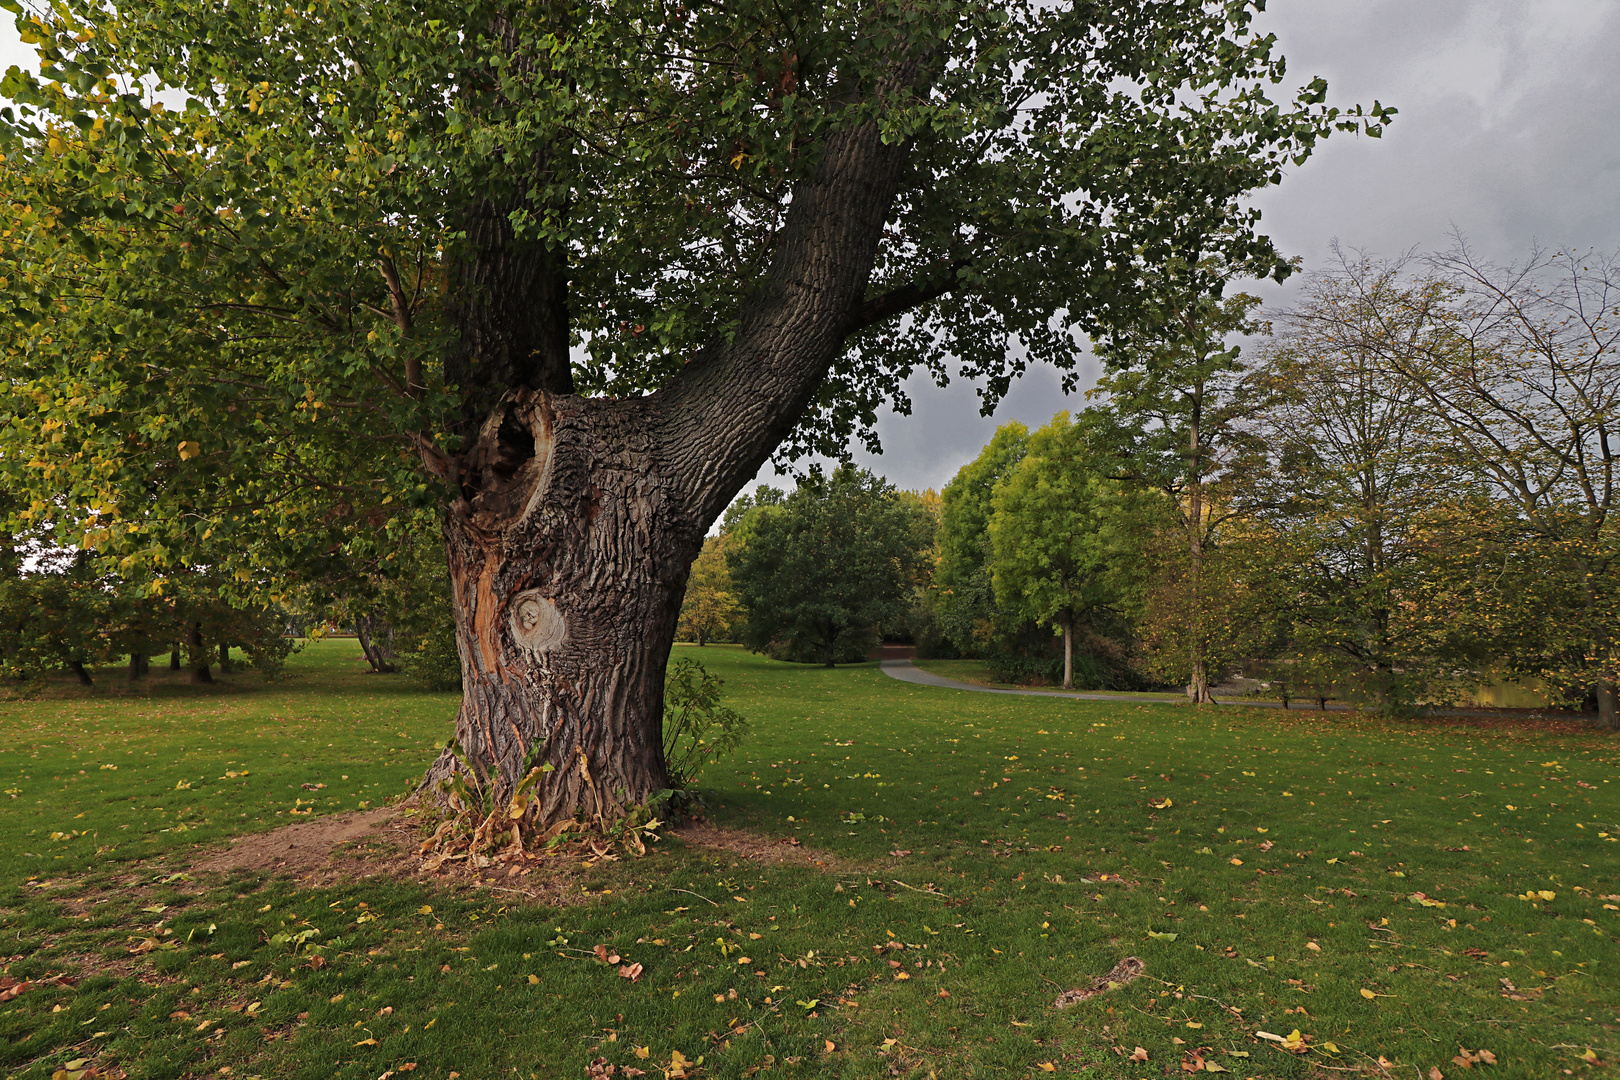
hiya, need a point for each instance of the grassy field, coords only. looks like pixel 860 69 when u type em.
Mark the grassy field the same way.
pixel 1400 892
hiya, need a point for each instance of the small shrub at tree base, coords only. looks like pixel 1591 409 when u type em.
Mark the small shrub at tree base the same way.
pixel 697 728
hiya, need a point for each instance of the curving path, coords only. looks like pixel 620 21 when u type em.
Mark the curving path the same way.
pixel 906 671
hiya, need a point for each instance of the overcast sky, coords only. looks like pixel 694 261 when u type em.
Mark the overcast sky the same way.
pixel 1509 131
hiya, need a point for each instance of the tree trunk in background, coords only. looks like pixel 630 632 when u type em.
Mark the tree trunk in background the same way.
pixel 174 658
pixel 579 518
pixel 1607 720
pixel 1068 654
pixel 224 658
pixel 377 642
pixel 199 656
pixel 137 666
pixel 1197 647
pixel 78 669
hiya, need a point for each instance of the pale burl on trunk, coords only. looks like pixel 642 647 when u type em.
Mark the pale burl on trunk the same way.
pixel 579 517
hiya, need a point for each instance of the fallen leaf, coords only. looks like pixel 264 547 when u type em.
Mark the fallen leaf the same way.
pixel 1139 1054
pixel 830 1045
pixel 1368 994
pixel 1047 1066
pixel 1435 1073
pixel 366 1042
pixel 628 971
pixel 1313 946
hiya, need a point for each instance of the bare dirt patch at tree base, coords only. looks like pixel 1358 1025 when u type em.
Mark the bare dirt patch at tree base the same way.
pixel 360 843
pixel 384 842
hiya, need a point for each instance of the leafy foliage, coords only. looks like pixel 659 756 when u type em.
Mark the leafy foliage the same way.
pixel 698 730
pixel 820 571
pixel 242 233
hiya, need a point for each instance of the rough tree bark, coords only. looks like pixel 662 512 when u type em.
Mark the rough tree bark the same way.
pixel 579 517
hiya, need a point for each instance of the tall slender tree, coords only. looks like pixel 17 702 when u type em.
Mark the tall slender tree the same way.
pixel 1176 413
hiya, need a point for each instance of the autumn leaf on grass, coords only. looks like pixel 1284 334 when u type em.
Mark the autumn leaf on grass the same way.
pixel 631 972
pixel 1046 1066
pixel 1293 1042
pixel 1161 804
pixel 1157 936
pixel 1139 1054
pixel 604 956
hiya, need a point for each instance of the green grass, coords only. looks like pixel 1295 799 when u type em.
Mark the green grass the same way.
pixel 1006 812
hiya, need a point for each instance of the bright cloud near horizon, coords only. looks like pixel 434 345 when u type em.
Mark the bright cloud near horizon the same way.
pixel 1508 133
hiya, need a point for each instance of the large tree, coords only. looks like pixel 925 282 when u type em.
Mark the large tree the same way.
pixel 572 273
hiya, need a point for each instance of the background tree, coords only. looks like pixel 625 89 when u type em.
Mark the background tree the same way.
pixel 1062 534
pixel 1175 417
pixel 710 608
pixel 963 588
pixel 349 274
pixel 1367 498
pixel 1520 367
pixel 820 572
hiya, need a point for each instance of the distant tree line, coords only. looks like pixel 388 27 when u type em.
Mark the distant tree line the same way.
pixel 1399 489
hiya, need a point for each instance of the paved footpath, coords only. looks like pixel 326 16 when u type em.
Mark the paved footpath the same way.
pixel 906 671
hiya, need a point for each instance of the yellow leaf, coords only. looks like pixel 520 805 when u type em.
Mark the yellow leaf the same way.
pixel 642 1052
pixel 830 1045
pixel 1236 862
pixel 534 980
pixel 1368 994
pixel 189 449
pixel 901 976
pixel 366 1042
pixel 1047 1066
pixel 425 909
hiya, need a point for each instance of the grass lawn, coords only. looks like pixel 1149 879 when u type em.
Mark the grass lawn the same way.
pixel 983 853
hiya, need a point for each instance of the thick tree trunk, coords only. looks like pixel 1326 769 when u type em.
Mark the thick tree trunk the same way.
pixel 578 519
pixel 199 656
pixel 1068 654
pixel 567 583
pixel 174 658
pixel 137 666
pixel 224 658
pixel 78 669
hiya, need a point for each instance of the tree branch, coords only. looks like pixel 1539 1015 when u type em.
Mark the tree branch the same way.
pixel 900 300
